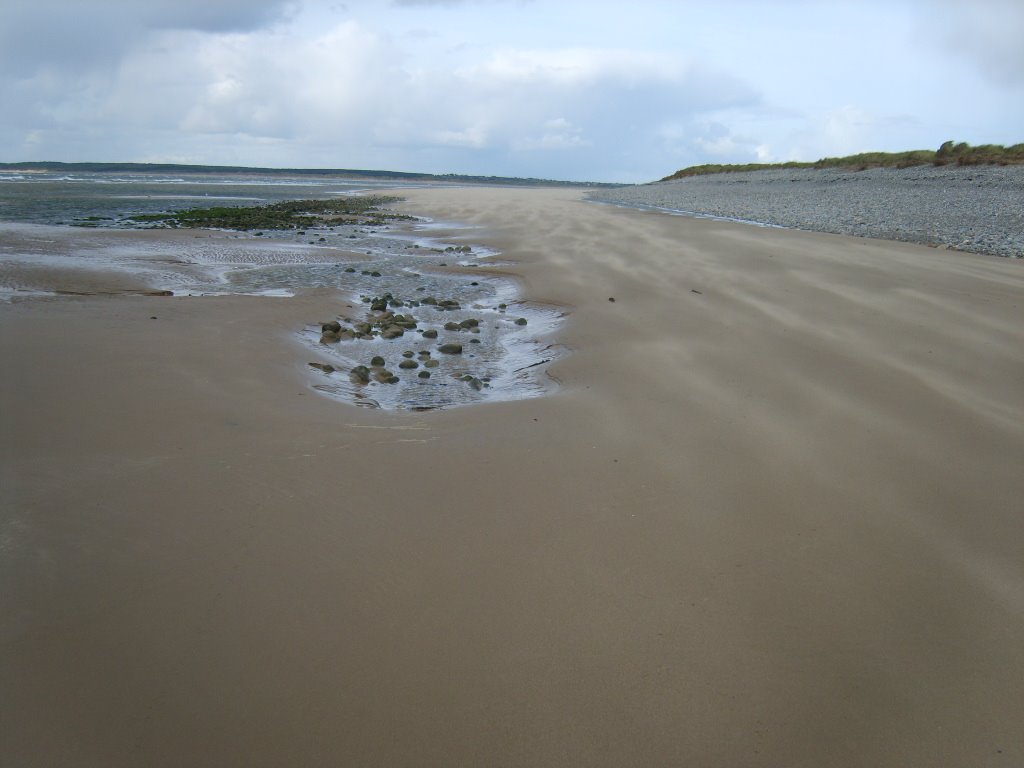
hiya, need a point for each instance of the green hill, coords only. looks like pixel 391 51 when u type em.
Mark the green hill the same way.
pixel 949 153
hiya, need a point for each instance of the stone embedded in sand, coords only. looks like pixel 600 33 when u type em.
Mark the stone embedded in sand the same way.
pixel 474 341
pixel 360 374
pixel 377 361
pixel 521 321
pixel 408 364
pixel 329 337
pixel 333 325
pixel 450 349
pixel 325 367
pixel 392 332
pixel 408 353
pixel 350 269
pixel 431 334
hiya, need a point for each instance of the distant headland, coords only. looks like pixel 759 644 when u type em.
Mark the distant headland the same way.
pixel 368 175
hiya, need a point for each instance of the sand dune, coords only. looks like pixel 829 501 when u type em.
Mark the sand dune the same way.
pixel 771 516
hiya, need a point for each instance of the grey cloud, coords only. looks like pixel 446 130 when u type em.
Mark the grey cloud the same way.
pixel 76 36
pixel 987 33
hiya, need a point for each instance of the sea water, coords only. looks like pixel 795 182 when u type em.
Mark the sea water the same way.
pixel 507 358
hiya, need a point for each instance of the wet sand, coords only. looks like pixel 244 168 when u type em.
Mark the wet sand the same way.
pixel 772 516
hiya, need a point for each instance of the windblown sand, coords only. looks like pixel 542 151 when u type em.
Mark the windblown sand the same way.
pixel 773 516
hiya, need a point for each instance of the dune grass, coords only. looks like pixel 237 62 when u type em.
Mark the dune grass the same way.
pixel 950 153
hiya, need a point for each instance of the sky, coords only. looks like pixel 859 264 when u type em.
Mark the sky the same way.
pixel 583 90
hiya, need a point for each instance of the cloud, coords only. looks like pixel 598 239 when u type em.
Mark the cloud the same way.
pixel 986 33
pixel 70 36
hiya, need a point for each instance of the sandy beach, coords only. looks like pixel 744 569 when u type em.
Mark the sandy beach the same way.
pixel 773 515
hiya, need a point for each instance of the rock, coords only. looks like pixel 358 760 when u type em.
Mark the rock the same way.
pixel 325 367
pixel 392 332
pixel 521 321
pixel 408 353
pixel 428 300
pixel 474 341
pixel 360 374
pixel 431 363
pixel 431 334
pixel 377 361
pixel 424 374
pixel 452 327
pixel 611 299
pixel 378 305
pixel 470 322
pixel 350 269
pixel 450 349
pixel 329 337
pixel 408 365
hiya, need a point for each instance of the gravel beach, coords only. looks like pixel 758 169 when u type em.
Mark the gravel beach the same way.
pixel 978 209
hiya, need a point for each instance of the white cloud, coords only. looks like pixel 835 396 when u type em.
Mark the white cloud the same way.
pixel 561 89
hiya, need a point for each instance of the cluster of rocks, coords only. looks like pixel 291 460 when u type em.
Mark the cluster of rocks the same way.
pixel 384 323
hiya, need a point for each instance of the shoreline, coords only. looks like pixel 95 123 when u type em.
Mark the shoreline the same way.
pixel 976 209
pixel 769 517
